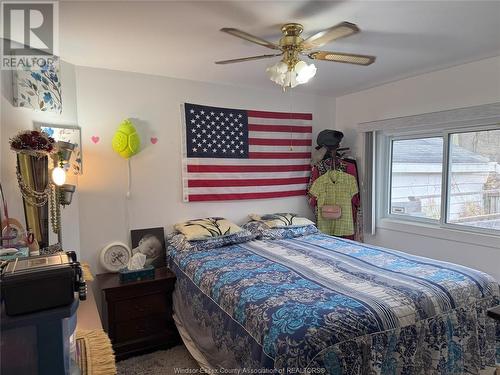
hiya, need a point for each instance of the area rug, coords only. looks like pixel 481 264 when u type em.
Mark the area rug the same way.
pixel 162 362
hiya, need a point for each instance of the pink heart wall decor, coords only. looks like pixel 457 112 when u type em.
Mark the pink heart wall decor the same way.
pixel 95 139
pixel 154 140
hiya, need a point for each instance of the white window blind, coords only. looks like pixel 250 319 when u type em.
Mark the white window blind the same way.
pixel 487 114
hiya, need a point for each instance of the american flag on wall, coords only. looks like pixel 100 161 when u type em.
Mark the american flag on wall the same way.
pixel 231 154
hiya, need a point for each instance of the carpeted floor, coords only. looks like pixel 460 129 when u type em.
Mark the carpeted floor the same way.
pixel 162 362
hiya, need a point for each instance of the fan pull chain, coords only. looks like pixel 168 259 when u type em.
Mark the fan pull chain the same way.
pixel 290 114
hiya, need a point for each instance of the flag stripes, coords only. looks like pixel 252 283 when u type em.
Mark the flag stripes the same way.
pixel 246 168
pixel 280 128
pixel 246 176
pixel 274 161
pixel 236 196
pixel 280 115
pixel 248 182
pixel 279 142
pixel 279 155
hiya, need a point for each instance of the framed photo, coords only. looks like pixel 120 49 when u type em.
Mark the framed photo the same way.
pixel 150 242
pixel 66 133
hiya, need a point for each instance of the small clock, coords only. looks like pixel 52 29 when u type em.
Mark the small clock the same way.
pixel 115 256
pixel 12 232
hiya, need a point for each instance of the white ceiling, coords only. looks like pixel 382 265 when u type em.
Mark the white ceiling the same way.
pixel 182 39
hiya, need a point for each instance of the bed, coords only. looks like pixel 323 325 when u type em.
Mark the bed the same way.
pixel 320 304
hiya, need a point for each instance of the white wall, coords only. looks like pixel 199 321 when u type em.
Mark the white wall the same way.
pixel 107 97
pixel 16 119
pixel 104 98
pixel 461 86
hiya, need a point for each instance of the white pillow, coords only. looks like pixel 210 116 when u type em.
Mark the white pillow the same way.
pixel 281 220
pixel 201 229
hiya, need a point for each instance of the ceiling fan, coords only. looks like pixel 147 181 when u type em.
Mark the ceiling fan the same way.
pixel 291 71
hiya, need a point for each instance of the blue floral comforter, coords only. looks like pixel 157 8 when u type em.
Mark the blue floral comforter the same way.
pixel 322 304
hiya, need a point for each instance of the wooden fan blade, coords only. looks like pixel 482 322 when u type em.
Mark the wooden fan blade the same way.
pixel 251 38
pixel 347 58
pixel 341 30
pixel 242 59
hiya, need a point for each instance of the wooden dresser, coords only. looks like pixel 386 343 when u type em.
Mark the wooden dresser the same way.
pixel 138 316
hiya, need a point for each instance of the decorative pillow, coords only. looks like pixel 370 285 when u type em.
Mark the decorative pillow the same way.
pixel 263 232
pixel 180 242
pixel 281 220
pixel 201 229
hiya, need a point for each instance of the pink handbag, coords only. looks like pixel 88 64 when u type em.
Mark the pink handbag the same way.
pixel 331 212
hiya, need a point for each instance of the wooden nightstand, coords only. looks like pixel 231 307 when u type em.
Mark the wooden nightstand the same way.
pixel 138 316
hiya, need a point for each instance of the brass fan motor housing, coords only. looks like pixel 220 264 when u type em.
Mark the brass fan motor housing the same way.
pixel 290 43
pixel 292 29
pixel 291 38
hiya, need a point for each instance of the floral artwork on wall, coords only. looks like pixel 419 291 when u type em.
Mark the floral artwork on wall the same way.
pixel 38 89
pixel 70 134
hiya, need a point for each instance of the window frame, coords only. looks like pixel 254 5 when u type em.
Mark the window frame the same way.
pixel 389 186
pixel 384 167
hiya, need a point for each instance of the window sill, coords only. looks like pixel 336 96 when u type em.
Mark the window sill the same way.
pixel 435 231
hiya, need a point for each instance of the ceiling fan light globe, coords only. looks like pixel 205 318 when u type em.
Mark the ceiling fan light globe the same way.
pixel 281 67
pixel 277 79
pixel 301 73
pixel 301 65
pixel 273 74
pixel 306 73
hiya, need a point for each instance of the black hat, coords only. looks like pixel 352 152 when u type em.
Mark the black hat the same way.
pixel 329 139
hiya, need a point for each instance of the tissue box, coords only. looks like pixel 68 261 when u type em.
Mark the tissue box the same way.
pixel 128 276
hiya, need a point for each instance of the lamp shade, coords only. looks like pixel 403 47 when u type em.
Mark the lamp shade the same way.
pixel 65 150
pixel 67 194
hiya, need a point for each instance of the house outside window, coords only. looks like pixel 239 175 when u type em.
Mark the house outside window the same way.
pixel 449 178
pixel 474 179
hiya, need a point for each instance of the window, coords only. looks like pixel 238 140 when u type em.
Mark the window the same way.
pixel 460 168
pixel 474 179
pixel 416 176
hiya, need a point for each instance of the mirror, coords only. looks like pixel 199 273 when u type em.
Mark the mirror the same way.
pixel 69 163
pixel 70 134
pixel 46 156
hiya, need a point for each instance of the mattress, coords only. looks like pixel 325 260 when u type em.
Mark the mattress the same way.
pixel 321 304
